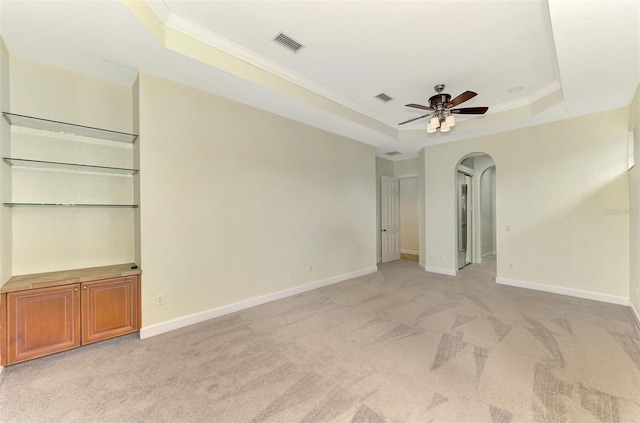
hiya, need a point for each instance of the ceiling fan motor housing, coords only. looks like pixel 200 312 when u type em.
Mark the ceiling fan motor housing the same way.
pixel 439 100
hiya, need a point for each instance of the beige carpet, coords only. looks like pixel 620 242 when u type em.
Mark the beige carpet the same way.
pixel 400 345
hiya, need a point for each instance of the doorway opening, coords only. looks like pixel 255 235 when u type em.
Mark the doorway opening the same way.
pixel 409 217
pixel 475 177
pixel 399 218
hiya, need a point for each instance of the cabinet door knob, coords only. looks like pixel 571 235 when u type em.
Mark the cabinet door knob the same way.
pixel 75 290
pixel 84 287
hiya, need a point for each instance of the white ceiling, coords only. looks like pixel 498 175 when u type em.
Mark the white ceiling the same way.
pixel 569 57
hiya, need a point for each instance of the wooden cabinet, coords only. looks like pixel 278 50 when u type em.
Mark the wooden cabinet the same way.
pixel 109 308
pixel 51 312
pixel 42 321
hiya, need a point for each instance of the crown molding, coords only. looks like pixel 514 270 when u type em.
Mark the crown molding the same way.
pixel 189 28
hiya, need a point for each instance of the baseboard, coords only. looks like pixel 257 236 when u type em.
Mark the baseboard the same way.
pixel 202 316
pixel 441 271
pixel 589 295
pixel 422 267
pixel 413 252
pixel 635 314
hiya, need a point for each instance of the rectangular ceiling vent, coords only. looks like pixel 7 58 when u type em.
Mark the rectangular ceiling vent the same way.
pixel 288 42
pixel 393 153
pixel 383 97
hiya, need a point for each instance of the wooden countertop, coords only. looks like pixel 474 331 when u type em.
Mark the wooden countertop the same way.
pixel 65 277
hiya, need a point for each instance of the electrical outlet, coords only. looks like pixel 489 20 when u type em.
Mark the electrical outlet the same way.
pixel 310 269
pixel 291 271
pixel 159 300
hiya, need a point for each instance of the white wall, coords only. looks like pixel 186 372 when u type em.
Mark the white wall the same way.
pixel 556 184
pixel 46 239
pixel 234 197
pixel 409 216
pixel 634 207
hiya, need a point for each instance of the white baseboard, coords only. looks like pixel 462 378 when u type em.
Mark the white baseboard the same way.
pixel 441 271
pixel 159 328
pixel 415 253
pixel 589 295
pixel 422 267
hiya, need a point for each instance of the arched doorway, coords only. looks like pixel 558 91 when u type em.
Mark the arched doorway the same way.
pixel 475 204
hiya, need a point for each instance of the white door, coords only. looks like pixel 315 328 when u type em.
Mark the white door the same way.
pixel 390 217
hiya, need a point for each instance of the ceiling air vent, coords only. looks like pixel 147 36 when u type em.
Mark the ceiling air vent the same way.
pixel 383 97
pixel 393 153
pixel 288 42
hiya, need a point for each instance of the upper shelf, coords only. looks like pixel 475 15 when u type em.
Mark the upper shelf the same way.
pixel 69 166
pixel 68 128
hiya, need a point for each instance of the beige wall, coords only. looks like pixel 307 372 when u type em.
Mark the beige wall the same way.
pixel 233 198
pixel 422 208
pixel 409 215
pixel 46 239
pixel 487 212
pixel 5 171
pixel 634 206
pixel 556 185
pixel 405 168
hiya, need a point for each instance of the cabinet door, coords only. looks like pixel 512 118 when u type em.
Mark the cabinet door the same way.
pixel 42 321
pixel 109 308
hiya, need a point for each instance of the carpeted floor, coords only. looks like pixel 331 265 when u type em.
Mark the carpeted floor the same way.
pixel 400 345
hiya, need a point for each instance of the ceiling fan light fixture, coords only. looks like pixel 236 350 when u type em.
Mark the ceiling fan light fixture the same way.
pixel 450 121
pixel 441 105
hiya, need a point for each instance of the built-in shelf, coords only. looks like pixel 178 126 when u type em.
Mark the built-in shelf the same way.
pixel 68 128
pixel 70 205
pixel 41 164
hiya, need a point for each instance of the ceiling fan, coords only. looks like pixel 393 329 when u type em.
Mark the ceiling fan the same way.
pixel 441 112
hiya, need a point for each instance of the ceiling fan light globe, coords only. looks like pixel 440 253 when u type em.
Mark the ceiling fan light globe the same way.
pixel 434 122
pixel 450 121
pixel 430 129
pixel 444 128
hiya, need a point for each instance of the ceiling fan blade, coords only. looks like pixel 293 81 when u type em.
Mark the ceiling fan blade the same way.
pixel 419 106
pixel 467 95
pixel 470 111
pixel 411 120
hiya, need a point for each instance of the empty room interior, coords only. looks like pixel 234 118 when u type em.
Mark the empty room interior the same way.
pixel 287 211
